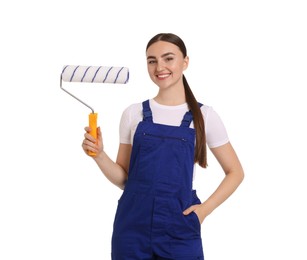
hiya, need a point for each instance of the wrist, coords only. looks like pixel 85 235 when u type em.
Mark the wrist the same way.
pixel 207 208
pixel 99 156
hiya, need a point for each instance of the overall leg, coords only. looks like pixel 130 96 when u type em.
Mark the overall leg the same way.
pixel 131 232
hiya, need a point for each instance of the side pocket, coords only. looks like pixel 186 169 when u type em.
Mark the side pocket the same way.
pixel 183 226
pixel 196 220
pixel 119 210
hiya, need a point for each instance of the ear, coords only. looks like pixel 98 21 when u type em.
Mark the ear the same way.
pixel 185 62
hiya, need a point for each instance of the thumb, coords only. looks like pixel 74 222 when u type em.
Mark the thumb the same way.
pixel 98 133
pixel 188 210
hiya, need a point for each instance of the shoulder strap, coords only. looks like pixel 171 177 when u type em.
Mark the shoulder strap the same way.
pixel 147 114
pixel 188 117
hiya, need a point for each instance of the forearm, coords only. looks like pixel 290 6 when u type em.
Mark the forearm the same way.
pixel 228 185
pixel 112 171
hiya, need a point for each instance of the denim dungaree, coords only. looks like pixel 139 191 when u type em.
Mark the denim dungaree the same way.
pixel 149 223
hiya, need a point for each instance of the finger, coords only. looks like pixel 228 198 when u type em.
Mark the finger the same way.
pixel 98 133
pixel 85 144
pixel 89 143
pixel 188 210
pixel 89 146
pixel 89 137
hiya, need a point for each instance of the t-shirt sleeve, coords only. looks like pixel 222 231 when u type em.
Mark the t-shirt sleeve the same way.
pixel 130 118
pixel 216 134
pixel 124 127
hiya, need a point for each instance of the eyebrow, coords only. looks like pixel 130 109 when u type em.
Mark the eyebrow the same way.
pixel 163 55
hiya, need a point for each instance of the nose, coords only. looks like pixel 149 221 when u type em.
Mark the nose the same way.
pixel 160 66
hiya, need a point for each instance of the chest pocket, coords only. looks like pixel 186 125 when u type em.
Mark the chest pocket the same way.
pixel 162 158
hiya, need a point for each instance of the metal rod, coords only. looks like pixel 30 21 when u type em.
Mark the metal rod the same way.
pixel 75 96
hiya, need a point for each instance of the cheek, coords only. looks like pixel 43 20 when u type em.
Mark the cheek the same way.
pixel 150 70
pixel 181 68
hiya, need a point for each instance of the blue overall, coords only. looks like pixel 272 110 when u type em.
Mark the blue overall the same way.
pixel 149 223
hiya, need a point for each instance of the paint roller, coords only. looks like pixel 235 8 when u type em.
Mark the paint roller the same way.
pixel 93 74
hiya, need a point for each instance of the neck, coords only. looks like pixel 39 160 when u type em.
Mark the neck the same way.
pixel 171 97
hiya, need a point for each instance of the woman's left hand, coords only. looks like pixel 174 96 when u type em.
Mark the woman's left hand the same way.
pixel 198 210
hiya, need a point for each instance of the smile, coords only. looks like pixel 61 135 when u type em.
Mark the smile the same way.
pixel 163 76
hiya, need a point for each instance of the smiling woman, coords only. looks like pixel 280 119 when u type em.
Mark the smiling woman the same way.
pixel 159 215
pixel 246 58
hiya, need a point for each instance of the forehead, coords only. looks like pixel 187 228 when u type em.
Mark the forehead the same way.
pixel 159 48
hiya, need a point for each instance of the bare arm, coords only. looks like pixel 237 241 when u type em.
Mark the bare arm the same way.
pixel 234 175
pixel 115 172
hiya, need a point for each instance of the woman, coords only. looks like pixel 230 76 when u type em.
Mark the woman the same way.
pixel 159 215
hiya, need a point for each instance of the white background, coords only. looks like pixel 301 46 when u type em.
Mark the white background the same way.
pixel 248 60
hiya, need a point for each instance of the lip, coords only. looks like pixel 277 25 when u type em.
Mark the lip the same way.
pixel 163 76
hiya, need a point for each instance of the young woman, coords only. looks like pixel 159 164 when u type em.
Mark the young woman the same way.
pixel 159 215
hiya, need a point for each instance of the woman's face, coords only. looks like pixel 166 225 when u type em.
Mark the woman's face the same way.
pixel 165 64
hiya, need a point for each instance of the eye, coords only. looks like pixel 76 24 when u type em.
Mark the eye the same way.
pixel 151 61
pixel 169 58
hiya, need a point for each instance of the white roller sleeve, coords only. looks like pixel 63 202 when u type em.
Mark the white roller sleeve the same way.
pixel 97 74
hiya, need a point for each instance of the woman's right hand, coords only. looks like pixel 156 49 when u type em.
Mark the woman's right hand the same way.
pixel 90 144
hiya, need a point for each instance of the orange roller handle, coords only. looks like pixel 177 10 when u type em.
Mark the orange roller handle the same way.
pixel 92 117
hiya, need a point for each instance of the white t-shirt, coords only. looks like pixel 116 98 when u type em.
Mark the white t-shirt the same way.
pixel 216 134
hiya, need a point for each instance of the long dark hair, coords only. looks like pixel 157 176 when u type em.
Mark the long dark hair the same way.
pixel 200 155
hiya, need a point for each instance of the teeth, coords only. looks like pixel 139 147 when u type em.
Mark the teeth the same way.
pixel 163 76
